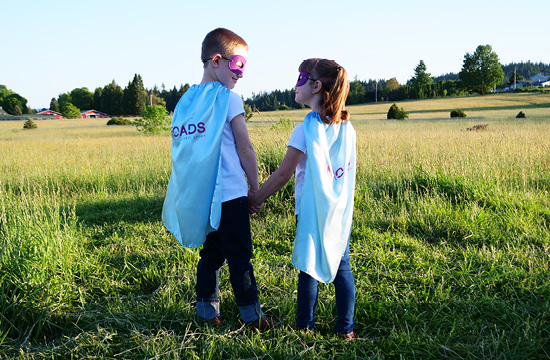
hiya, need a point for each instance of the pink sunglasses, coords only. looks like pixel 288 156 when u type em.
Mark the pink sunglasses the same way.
pixel 303 78
pixel 236 63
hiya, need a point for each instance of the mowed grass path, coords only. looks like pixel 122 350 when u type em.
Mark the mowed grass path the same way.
pixel 450 245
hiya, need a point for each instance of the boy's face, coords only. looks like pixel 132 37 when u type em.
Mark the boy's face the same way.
pixel 223 72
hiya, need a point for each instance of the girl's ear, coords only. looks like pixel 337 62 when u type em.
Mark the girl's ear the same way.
pixel 317 87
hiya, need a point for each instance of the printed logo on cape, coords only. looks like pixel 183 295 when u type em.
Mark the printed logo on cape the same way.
pixel 339 172
pixel 189 129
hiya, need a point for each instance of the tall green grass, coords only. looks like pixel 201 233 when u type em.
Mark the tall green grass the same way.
pixel 450 247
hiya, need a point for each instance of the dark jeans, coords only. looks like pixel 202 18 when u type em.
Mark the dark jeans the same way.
pixel 232 242
pixel 344 286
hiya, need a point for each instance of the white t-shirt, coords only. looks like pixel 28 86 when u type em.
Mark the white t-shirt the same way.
pixel 298 141
pixel 234 183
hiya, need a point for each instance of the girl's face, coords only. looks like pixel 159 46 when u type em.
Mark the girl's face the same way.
pixel 305 89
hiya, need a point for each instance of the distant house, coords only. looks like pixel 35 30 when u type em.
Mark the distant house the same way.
pixel 539 78
pixel 539 81
pixel 536 81
pixel 523 83
pixel 93 114
pixel 51 112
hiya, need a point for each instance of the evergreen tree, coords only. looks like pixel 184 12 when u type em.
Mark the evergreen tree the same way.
pixel 135 97
pixel 171 98
pixel 357 92
pixel 155 99
pixel 421 80
pixel 526 69
pixel 54 105
pixel 29 124
pixel 98 92
pixel 183 89
pixel 111 99
pixel 514 78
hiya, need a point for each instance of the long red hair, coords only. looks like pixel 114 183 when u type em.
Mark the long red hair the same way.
pixel 335 88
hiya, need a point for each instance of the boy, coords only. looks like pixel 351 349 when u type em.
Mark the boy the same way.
pixel 206 200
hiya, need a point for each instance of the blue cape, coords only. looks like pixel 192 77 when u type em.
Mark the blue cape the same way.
pixel 192 207
pixel 326 206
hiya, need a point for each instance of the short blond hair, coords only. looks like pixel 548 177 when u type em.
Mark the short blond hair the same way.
pixel 220 41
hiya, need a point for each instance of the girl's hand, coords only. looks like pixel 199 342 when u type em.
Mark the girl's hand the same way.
pixel 253 205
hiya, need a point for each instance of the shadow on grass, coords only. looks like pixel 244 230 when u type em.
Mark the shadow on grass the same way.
pixel 138 210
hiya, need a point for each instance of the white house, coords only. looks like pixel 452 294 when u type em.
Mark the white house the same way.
pixel 537 81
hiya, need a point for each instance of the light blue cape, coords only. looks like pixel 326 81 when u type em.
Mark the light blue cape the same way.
pixel 192 207
pixel 326 207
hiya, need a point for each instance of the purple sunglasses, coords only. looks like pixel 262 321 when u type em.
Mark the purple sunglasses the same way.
pixel 236 63
pixel 303 78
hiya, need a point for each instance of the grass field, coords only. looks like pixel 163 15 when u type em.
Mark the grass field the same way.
pixel 450 247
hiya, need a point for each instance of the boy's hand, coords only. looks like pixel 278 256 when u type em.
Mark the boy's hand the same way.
pixel 255 209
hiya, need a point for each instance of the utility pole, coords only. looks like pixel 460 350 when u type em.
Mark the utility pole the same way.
pixel 515 71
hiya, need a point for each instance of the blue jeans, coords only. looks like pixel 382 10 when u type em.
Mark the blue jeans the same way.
pixel 232 242
pixel 344 286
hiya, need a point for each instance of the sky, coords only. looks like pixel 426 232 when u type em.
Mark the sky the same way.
pixel 52 47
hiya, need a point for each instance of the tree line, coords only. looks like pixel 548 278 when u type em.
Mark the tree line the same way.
pixel 481 72
pixel 112 99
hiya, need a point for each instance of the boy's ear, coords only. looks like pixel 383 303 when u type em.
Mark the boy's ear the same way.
pixel 216 60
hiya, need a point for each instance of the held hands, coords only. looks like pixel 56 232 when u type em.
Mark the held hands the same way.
pixel 253 205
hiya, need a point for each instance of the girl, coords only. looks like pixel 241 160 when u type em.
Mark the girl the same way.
pixel 322 151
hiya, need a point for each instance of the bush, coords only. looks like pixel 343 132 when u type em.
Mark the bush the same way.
pixel 119 120
pixel 154 120
pixel 402 114
pixel 397 113
pixel 458 113
pixel 283 124
pixel 71 112
pixel 520 115
pixel 247 112
pixel 392 112
pixel 29 124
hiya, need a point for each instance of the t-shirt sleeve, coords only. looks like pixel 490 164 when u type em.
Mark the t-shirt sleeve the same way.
pixel 298 139
pixel 236 106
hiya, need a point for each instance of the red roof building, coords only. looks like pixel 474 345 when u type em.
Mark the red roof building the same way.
pixel 93 114
pixel 51 112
